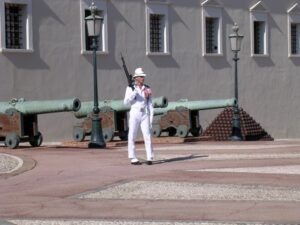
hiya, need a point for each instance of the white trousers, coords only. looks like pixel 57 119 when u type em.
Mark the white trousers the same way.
pixel 136 119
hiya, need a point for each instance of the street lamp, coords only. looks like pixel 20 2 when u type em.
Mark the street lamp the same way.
pixel 94 25
pixel 235 44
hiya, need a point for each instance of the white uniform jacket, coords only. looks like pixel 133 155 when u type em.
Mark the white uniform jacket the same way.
pixel 136 99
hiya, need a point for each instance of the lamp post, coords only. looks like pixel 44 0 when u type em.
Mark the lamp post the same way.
pixel 94 24
pixel 235 44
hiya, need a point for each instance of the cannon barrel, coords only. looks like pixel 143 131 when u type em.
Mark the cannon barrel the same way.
pixel 41 107
pixel 197 105
pixel 117 105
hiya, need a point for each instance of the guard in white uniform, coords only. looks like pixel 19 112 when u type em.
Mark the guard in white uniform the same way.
pixel 139 97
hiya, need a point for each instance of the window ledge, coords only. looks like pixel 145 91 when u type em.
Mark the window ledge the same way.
pixel 158 53
pixel 97 52
pixel 8 50
pixel 260 55
pixel 213 54
pixel 294 56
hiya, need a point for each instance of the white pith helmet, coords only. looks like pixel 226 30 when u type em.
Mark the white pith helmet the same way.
pixel 139 73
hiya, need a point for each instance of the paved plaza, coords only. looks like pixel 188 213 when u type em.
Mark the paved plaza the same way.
pixel 193 183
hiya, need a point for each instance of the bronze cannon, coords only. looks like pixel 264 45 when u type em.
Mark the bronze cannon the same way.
pixel 113 114
pixel 182 117
pixel 18 119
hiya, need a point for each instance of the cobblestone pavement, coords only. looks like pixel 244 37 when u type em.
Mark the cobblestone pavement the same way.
pixel 198 183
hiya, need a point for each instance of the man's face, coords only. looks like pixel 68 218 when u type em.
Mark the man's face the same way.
pixel 140 79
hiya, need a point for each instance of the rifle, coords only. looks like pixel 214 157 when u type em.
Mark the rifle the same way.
pixel 128 75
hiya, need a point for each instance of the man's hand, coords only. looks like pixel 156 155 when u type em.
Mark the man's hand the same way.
pixel 147 92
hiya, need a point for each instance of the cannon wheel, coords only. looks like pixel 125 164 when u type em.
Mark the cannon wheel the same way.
pixel 156 131
pixel 196 132
pixel 12 140
pixel 123 135
pixel 78 134
pixel 36 140
pixel 182 131
pixel 108 135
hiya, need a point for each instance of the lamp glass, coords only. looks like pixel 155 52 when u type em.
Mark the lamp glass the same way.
pixel 236 42
pixel 94 25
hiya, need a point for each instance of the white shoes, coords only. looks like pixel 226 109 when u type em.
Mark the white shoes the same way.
pixel 135 161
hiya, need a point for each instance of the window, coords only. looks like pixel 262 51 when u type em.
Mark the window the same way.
pixel 212 28
pixel 16 26
pixel 157 28
pixel 294 31
pixel 86 41
pixel 156 33
pixel 14 21
pixel 259 30
pixel 295 38
pixel 259 37
pixel 212 25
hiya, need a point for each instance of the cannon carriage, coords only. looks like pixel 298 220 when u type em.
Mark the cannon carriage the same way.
pixel 113 123
pixel 113 115
pixel 182 117
pixel 19 119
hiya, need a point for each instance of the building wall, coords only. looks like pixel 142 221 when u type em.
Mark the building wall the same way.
pixel 56 69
